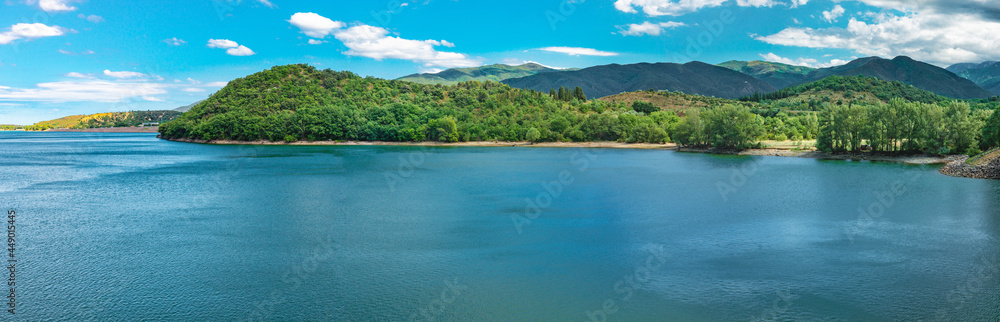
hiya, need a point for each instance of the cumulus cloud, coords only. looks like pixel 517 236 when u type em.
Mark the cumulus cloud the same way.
pixel 125 74
pixel 757 3
pixel 375 42
pixel 232 48
pixel 577 51
pixel 55 5
pixel 832 15
pixel 30 31
pixel 807 62
pixel 665 7
pixel 314 25
pixel 174 41
pixel 648 28
pixel 940 36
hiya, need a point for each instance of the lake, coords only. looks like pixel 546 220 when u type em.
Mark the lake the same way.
pixel 129 227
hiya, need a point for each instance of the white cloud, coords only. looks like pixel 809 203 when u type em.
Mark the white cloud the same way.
pixel 314 25
pixel 577 51
pixel 193 90
pixel 222 43
pixel 232 48
pixel 30 31
pixel 931 36
pixel 756 3
pixel 315 42
pixel 124 74
pixel 796 3
pixel 192 81
pixel 55 5
pixel 648 28
pixel 375 42
pixel 665 7
pixel 266 3
pixel 240 51
pixel 832 15
pixel 78 75
pixel 807 62
pixel 89 91
pixel 91 18
pixel 216 84
pixel 174 41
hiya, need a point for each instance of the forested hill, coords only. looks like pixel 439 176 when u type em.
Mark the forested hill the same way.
pixel 299 102
pixel 691 78
pixel 908 71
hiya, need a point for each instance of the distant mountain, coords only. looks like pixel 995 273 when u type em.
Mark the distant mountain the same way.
pixel 986 74
pixel 692 78
pixel 494 73
pixel 907 71
pixel 777 74
pixel 961 67
pixel 183 109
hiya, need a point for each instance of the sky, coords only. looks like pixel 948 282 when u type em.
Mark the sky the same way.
pixel 69 57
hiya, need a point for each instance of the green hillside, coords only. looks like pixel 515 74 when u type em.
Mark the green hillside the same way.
pixel 495 73
pixel 777 74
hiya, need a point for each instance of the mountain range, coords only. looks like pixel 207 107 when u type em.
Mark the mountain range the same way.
pixel 495 73
pixel 692 78
pixel 731 79
pixel 985 74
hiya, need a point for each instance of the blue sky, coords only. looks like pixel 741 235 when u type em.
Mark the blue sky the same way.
pixel 65 57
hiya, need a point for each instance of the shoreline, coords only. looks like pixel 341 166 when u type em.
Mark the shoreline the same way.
pixel 613 145
pixel 776 152
pixel 148 129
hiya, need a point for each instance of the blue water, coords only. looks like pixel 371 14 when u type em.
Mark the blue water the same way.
pixel 130 227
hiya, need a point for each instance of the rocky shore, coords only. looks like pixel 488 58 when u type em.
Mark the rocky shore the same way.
pixel 979 169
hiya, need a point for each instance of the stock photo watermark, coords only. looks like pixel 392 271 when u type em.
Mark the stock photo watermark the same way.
pixel 293 279
pixel 779 306
pixel 874 211
pixel 552 190
pixel 626 287
pixel 739 178
pixel 449 294
pixel 406 168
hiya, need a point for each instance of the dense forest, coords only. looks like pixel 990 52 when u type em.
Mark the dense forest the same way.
pixel 299 102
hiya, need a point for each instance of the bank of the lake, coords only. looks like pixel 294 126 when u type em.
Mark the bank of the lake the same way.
pixel 777 152
pixel 131 129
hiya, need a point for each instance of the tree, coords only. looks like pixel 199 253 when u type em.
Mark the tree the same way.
pixel 533 135
pixel 733 127
pixel 578 94
pixel 644 107
pixel 991 132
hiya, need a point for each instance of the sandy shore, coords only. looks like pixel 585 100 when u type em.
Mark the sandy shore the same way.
pixel 777 152
pixel 148 129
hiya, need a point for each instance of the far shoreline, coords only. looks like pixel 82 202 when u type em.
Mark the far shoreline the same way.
pixel 920 159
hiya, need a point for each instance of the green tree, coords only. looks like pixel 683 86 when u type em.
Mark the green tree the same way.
pixel 533 135
pixel 644 107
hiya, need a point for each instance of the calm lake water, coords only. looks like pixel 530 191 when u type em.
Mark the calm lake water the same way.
pixel 130 227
